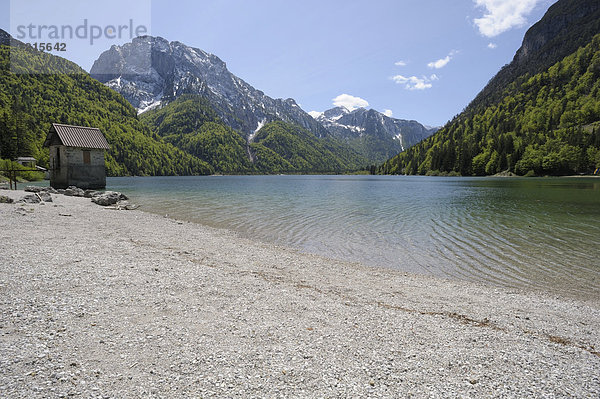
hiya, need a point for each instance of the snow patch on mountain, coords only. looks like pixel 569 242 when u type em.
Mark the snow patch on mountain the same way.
pixel 315 114
pixel 261 124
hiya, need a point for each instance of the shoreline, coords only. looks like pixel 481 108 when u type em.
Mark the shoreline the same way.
pixel 551 292
pixel 127 303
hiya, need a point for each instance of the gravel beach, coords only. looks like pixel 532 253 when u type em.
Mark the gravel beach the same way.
pixel 101 303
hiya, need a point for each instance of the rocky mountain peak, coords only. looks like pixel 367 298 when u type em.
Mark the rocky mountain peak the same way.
pixel 334 113
pixel 151 71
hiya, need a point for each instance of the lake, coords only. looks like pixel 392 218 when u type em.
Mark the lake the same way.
pixel 537 233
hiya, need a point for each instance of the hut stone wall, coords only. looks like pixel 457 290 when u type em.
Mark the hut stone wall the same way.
pixel 71 167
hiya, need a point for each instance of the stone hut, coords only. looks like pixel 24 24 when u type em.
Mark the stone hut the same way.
pixel 76 156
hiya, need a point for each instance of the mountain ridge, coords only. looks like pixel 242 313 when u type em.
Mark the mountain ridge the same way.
pixel 151 72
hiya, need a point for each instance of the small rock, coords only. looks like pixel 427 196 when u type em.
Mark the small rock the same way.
pixel 124 205
pixel 6 200
pixel 45 196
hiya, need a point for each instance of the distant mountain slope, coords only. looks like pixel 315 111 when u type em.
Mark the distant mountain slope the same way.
pixel 193 126
pixel 372 134
pixel 535 123
pixel 52 89
pixel 151 72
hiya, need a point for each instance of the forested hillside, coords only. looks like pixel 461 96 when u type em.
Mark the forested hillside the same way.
pixel 193 126
pixel 284 147
pixel 50 89
pixel 538 124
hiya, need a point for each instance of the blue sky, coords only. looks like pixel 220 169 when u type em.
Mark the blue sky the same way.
pixel 414 59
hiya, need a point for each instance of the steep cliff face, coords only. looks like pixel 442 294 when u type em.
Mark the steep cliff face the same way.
pixel 150 72
pixel 560 20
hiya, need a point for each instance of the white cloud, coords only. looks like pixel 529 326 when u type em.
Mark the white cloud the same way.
pixel 388 113
pixel 442 62
pixel 400 63
pixel 315 114
pixel 502 15
pixel 415 83
pixel 439 63
pixel 492 46
pixel 350 102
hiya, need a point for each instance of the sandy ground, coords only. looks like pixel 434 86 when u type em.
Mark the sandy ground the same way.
pixel 99 303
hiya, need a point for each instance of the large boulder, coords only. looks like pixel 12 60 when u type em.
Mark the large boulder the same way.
pixel 36 198
pixel 30 199
pixel 73 191
pixel 108 198
pixel 35 189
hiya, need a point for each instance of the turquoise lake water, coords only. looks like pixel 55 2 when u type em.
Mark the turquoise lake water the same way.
pixel 540 233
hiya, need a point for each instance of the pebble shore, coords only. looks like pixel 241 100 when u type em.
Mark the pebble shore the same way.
pixel 104 303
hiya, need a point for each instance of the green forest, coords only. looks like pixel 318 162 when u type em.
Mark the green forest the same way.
pixel 543 124
pixel 46 89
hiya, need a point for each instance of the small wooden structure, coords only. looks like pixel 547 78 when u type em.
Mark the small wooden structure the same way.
pixel 76 156
pixel 27 162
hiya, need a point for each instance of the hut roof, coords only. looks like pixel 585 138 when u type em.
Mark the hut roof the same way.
pixel 26 159
pixel 77 136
